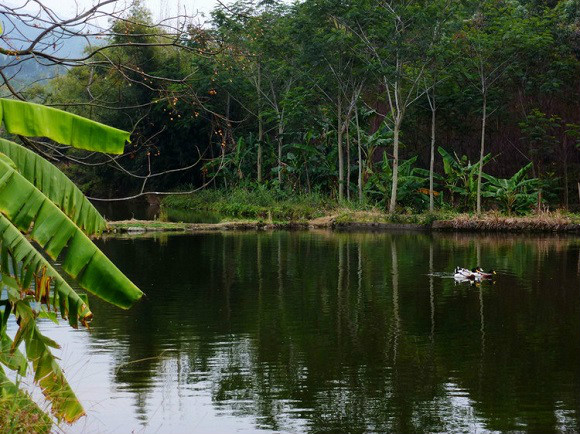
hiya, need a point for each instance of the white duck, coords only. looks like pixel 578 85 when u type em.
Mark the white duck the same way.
pixel 465 274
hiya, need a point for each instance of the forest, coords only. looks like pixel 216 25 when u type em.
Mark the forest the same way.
pixel 403 106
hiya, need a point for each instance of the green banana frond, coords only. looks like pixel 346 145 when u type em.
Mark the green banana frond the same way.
pixel 34 214
pixel 521 174
pixel 33 265
pixel 47 373
pixel 10 356
pixel 34 120
pixel 56 186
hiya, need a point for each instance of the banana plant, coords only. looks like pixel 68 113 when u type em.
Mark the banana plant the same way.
pixel 516 194
pixel 411 184
pixel 39 204
pixel 461 176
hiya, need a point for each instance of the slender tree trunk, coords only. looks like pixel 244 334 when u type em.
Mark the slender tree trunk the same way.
pixel 260 126
pixel 482 151
pixel 432 159
pixel 360 165
pixel 340 156
pixel 565 164
pixel 348 159
pixel 566 200
pixel 280 132
pixel 395 180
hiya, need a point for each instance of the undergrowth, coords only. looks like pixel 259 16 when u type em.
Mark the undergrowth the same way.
pixel 262 204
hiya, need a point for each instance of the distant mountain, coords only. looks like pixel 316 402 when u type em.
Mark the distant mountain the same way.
pixel 18 36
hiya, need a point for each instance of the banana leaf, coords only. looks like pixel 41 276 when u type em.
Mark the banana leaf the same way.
pixel 47 372
pixel 33 263
pixel 11 358
pixel 34 120
pixel 33 213
pixel 56 186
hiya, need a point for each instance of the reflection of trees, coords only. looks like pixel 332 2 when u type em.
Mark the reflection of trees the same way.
pixel 350 331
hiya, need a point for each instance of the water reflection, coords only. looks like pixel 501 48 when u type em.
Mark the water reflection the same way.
pixel 327 333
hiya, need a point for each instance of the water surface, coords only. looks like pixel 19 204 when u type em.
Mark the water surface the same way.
pixel 321 332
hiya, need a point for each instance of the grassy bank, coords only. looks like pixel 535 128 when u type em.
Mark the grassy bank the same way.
pixel 265 209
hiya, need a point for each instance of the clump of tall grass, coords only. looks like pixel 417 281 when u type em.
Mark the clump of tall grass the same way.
pixel 20 415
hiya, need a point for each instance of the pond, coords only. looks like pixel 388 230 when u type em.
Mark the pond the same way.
pixel 325 332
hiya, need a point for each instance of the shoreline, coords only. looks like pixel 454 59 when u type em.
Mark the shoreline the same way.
pixel 461 223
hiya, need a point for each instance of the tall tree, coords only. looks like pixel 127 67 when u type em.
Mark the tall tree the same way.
pixel 397 36
pixel 493 39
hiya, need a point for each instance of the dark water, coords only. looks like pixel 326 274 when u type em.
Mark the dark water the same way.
pixel 333 333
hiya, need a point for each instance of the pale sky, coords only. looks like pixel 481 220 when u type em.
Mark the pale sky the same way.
pixel 160 8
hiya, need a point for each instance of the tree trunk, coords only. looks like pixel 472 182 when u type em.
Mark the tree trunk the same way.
pixel 260 126
pixel 395 181
pixel 340 156
pixel 566 200
pixel 360 165
pixel 347 158
pixel 482 150
pixel 280 132
pixel 432 160
pixel 565 167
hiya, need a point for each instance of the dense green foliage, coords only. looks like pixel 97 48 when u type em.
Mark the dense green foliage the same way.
pixel 329 97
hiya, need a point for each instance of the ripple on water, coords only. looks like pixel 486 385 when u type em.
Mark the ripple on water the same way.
pixel 304 332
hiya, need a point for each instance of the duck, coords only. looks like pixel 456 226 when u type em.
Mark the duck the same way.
pixel 464 274
pixel 478 271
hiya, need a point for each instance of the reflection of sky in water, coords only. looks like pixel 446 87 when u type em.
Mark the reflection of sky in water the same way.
pixel 180 401
pixel 331 333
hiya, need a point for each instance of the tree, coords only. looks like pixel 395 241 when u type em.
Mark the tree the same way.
pixel 331 53
pixel 39 203
pixel 493 40
pixel 397 37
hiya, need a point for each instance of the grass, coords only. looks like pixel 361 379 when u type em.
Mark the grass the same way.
pixel 260 204
pixel 375 216
pixel 21 416
pixel 493 221
pixel 154 225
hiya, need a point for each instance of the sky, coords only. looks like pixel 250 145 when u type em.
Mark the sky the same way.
pixel 160 8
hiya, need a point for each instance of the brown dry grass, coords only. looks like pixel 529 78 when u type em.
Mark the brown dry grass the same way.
pixel 556 221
